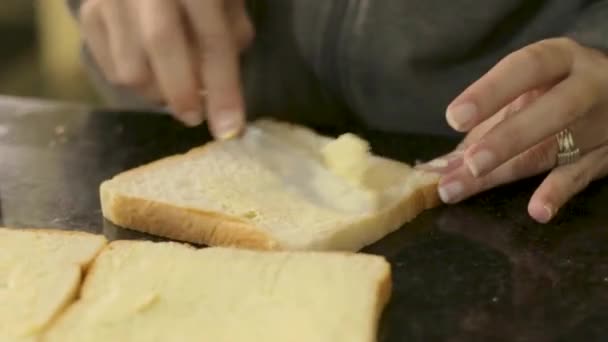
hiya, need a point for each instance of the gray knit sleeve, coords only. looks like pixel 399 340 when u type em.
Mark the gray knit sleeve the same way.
pixel 591 27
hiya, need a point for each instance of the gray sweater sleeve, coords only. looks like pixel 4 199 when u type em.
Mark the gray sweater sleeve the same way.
pixel 277 76
pixel 591 27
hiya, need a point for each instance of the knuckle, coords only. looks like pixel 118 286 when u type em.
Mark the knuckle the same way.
pixel 245 38
pixel 537 57
pixel 577 103
pixel 245 35
pixel 580 178
pixel 216 41
pixel 131 77
pixel 156 36
pixel 218 48
pixel 538 158
pixel 552 188
pixel 566 42
pixel 485 183
pixel 545 58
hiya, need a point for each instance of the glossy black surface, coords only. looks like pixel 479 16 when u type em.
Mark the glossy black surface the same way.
pixel 478 271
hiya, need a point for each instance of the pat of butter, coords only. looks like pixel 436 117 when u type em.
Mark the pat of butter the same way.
pixel 348 157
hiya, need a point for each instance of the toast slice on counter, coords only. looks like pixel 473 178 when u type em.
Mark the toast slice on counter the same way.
pixel 278 187
pixel 140 291
pixel 40 274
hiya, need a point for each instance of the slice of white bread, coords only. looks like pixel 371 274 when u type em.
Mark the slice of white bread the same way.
pixel 40 274
pixel 279 186
pixel 141 291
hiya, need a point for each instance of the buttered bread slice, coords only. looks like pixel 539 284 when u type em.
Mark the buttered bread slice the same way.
pixel 279 186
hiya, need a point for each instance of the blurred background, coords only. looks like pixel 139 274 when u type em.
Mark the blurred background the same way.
pixel 39 54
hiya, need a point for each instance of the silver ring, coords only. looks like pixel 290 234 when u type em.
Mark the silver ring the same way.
pixel 567 152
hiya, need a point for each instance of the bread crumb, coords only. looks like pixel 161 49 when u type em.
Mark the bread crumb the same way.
pixel 251 214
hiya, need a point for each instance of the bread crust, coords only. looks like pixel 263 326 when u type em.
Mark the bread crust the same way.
pixel 383 296
pixel 215 229
pixel 182 224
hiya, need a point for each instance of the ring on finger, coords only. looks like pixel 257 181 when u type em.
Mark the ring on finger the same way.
pixel 568 152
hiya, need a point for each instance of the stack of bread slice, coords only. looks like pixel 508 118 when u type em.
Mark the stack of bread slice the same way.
pixel 141 291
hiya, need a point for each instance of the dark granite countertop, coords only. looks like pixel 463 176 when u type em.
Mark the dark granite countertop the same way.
pixel 481 270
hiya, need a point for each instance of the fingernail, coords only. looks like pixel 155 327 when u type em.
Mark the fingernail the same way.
pixel 451 192
pixel 228 125
pixel 549 212
pixel 460 116
pixel 438 163
pixel 480 162
pixel 192 118
pixel 448 161
pixel 543 214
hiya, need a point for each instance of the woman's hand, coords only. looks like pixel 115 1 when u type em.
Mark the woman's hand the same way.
pixel 512 115
pixel 180 53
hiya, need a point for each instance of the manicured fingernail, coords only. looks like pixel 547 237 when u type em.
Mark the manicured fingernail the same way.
pixel 461 116
pixel 543 214
pixel 439 163
pixel 480 162
pixel 192 118
pixel 549 212
pixel 445 163
pixel 451 192
pixel 228 125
